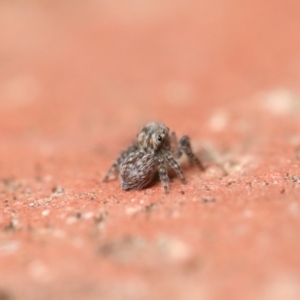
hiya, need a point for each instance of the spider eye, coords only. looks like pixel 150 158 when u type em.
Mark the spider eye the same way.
pixel 159 138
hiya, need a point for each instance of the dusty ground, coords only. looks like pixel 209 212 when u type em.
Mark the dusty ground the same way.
pixel 79 79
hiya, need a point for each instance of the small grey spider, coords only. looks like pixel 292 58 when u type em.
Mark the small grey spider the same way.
pixel 154 150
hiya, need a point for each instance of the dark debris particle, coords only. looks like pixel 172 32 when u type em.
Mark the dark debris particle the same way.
pixel 182 192
pixel 208 199
pixel 107 249
pixel 294 179
pixel 101 217
pixel 11 226
pixel 297 152
pixel 111 247
pixel 58 190
pixel 78 215
pixel 231 182
pixel 38 178
pixel 122 249
pixel 150 207
pixel 193 265
pixel 11 184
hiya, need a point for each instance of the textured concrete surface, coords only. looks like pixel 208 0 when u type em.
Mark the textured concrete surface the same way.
pixel 79 79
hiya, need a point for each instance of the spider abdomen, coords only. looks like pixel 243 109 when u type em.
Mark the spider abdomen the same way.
pixel 137 171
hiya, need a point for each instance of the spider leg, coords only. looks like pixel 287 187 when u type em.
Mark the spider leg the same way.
pixel 113 168
pixel 184 146
pixel 173 141
pixel 119 160
pixel 175 166
pixel 163 175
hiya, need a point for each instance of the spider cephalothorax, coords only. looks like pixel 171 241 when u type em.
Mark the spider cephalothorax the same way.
pixel 154 151
pixel 153 137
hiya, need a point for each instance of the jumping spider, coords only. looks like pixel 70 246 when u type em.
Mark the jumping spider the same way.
pixel 154 150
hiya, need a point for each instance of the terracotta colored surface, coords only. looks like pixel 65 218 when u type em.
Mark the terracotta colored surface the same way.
pixel 79 79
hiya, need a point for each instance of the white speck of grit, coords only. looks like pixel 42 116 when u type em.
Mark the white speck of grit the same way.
pixel 219 121
pixel 293 209
pixel 281 102
pixel 39 271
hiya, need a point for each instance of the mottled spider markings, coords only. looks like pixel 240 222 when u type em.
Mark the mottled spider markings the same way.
pixel 154 151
